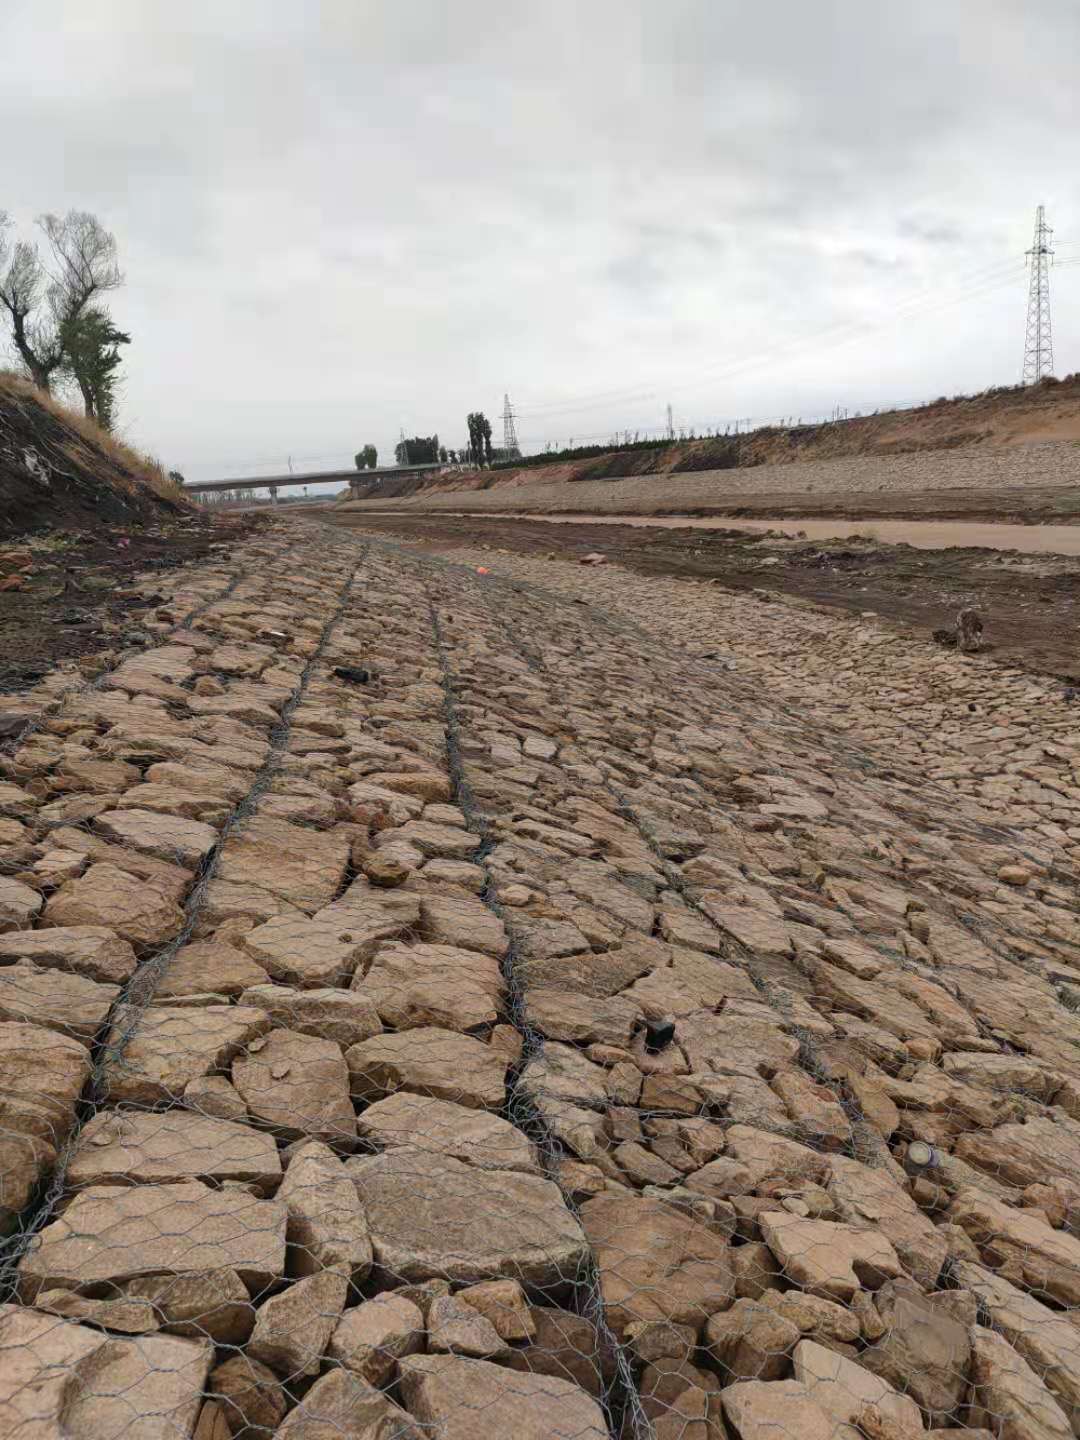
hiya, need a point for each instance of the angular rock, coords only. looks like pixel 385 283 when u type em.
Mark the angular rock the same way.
pixel 463 921
pixel 89 950
pixel 1041 1336
pixel 447 1392
pixel 456 1222
pixel 343 1406
pixel 568 1347
pixel 764 1410
pixel 371 1338
pixel 456 1328
pixel 59 1378
pixel 1007 1397
pixel 841 1388
pixel 580 1019
pixel 561 1073
pixel 209 967
pixel 120 902
pixel 829 1260
pixel 296 1085
pixel 171 1046
pixel 167 837
pixel 249 1394
pixel 656 1262
pixel 438 1127
pixel 293 1327
pixel 302 952
pixel 128 1148
pixel 303 867
pixel 1046 1260
pixel 177 1228
pixel 503 1303
pixel 42 1075
pixel 19 904
pixel 923 1352
pixel 71 1004
pixel 751 1342
pixel 326 1228
pixel 429 1061
pixel 172 882
pixel 872 1199
pixel 440 985
pixel 337 1015
pixel 212 1304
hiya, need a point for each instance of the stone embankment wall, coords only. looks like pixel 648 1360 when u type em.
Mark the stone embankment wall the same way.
pixel 1046 463
pixel 434 1008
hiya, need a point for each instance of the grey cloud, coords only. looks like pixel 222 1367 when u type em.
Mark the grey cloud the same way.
pixel 341 218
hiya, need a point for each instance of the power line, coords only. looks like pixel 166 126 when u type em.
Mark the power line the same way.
pixel 1038 342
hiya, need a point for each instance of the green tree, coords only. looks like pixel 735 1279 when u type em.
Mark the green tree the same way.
pixel 367 458
pixel 479 436
pixel 418 450
pixel 91 345
pixel 45 299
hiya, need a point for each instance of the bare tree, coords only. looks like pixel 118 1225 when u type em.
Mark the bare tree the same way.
pixel 45 301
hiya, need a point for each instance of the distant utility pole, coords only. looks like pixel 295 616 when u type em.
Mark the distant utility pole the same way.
pixel 670 424
pixel 404 448
pixel 510 443
pixel 1038 343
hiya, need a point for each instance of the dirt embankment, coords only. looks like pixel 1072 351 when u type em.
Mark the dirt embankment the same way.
pixel 81 516
pixel 1000 418
pixel 59 470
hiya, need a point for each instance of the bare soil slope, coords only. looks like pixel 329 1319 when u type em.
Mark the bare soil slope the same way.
pixel 58 470
pixel 996 418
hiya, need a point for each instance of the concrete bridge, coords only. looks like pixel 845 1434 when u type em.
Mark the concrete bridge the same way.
pixel 274 483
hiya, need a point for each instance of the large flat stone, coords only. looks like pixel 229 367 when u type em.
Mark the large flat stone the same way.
pixel 303 867
pixel 173 1045
pixel 440 985
pixel 209 968
pixel 121 902
pixel 304 952
pixel 90 950
pixel 71 1004
pixel 297 1085
pixel 1045 1338
pixel 655 1262
pixel 421 1122
pixel 112 1233
pixel 171 881
pixel 440 1218
pixel 167 837
pixel 61 1379
pixel 339 1015
pixel 132 1148
pixel 827 1259
pixel 429 1061
pixel 464 921
pixel 448 1392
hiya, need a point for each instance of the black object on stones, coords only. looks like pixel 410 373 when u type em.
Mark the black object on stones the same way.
pixel 355 674
pixel 658 1033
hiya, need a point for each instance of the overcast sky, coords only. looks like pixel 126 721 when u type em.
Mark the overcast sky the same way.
pixel 338 219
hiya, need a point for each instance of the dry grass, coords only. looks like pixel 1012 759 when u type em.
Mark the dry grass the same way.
pixel 90 445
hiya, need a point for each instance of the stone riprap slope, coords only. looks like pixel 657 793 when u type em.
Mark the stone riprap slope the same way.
pixel 435 1008
pixel 1041 464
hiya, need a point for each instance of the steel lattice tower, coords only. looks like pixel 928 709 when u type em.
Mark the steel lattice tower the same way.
pixel 510 443
pixel 1038 342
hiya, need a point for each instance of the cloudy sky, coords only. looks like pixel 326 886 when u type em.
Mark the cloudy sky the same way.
pixel 338 218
